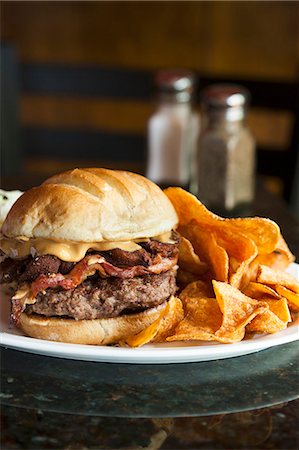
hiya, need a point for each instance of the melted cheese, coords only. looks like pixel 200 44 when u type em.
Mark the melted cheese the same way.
pixel 67 250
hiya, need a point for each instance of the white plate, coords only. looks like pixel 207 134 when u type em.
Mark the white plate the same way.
pixel 176 352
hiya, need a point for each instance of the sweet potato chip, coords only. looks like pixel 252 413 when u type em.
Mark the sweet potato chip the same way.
pixel 188 207
pixel 241 251
pixel 283 249
pixel 250 274
pixel 237 255
pixel 280 308
pixel 233 265
pixel 280 258
pixel 266 275
pixel 197 290
pixel 205 245
pixel 189 260
pixel 273 320
pixel 263 232
pixel 274 260
pixel 188 330
pixel 266 322
pixel 238 279
pixel 171 315
pixel 184 277
pixel 202 321
pixel 237 309
pixel 237 245
pixel 229 338
pixel 258 291
pixel 292 298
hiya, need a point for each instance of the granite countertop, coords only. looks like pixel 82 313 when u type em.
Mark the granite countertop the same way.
pixel 243 402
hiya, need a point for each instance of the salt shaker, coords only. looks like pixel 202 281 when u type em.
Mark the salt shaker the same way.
pixel 172 130
pixel 225 164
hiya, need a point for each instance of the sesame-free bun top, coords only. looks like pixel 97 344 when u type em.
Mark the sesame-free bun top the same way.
pixel 91 205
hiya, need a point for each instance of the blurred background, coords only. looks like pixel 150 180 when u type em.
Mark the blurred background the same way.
pixel 77 90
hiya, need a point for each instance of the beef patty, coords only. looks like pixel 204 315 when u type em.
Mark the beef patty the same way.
pixel 103 298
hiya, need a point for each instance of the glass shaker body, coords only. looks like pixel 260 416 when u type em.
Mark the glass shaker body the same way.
pixel 225 163
pixel 172 131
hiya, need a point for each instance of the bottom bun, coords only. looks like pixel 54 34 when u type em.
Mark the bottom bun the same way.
pixel 91 332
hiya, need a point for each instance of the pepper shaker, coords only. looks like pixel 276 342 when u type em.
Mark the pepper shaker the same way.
pixel 224 174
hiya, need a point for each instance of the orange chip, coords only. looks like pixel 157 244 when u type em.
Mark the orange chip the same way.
pixel 237 309
pixel 280 308
pixel 236 254
pixel 237 245
pixel 205 245
pixel 197 290
pixel 241 251
pixel 283 249
pixel 233 265
pixel 188 207
pixel 205 321
pixel 171 315
pixel 273 320
pixel 218 259
pixel 184 278
pixel 292 298
pixel 202 321
pixel 275 260
pixel 250 274
pixel 266 275
pixel 263 232
pixel 238 279
pixel 258 290
pixel 189 260
pixel 280 258
pixel 266 322
pixel 229 338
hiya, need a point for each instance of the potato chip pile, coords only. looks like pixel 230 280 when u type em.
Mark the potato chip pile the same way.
pixel 231 276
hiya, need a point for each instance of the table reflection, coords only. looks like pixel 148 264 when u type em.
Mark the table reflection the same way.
pixel 266 428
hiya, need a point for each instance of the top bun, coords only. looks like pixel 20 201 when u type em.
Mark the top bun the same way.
pixel 91 205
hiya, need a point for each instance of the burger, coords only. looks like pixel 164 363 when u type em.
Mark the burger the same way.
pixel 90 256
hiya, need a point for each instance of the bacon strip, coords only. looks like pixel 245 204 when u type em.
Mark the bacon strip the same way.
pixel 91 264
pixel 54 279
pixel 19 301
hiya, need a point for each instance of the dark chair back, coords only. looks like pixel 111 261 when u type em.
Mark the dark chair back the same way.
pixel 10 103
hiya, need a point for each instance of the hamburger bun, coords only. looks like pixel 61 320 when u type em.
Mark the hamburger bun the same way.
pixel 91 332
pixel 91 205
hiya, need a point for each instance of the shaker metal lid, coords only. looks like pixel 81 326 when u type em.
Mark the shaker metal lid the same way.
pixel 225 96
pixel 175 81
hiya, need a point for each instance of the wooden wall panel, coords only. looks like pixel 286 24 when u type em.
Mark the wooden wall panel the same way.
pixel 85 113
pixel 271 128
pixel 250 39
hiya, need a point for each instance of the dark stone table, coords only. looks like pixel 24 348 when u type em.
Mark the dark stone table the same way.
pixel 248 402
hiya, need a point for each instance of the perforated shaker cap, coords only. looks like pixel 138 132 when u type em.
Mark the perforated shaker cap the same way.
pixel 229 98
pixel 176 82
